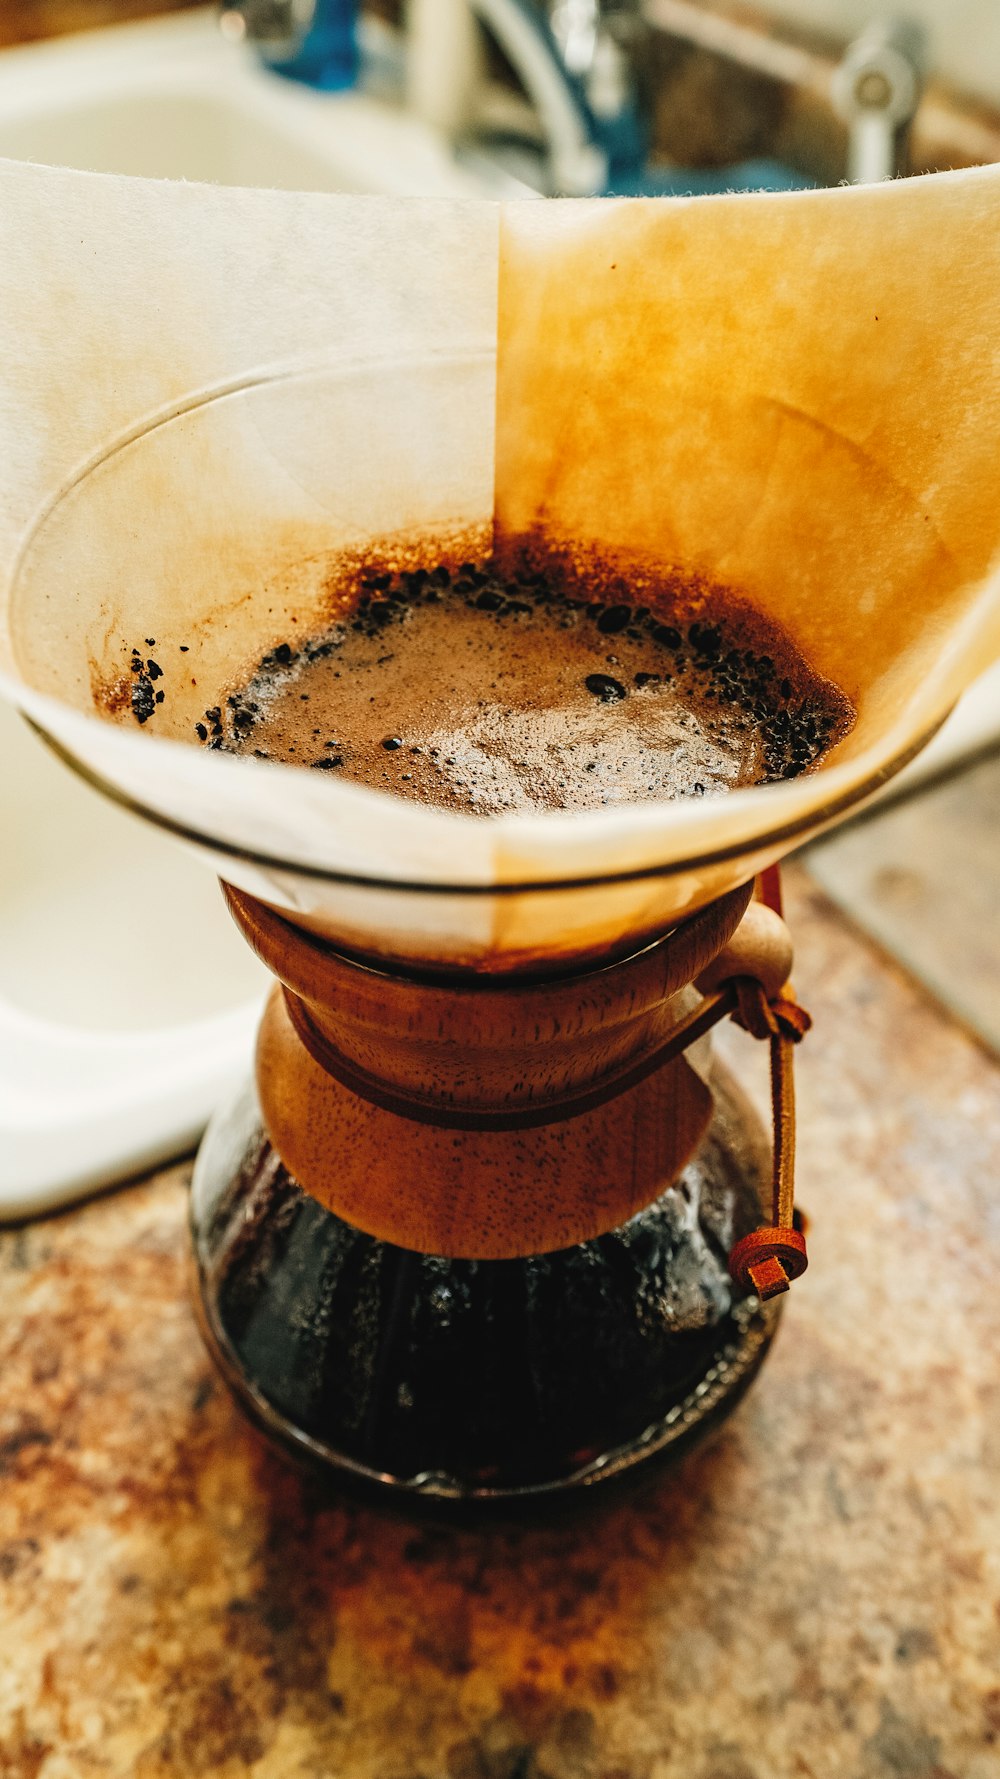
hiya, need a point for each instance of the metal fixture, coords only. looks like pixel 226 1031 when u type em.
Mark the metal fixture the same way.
pixel 271 24
pixel 876 90
pixel 580 128
pixel 575 162
pixel 574 72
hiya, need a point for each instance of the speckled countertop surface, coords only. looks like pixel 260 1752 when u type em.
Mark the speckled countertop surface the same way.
pixel 816 1594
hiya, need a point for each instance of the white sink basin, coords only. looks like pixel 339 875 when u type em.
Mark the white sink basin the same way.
pixel 127 999
pixel 170 99
pixel 164 134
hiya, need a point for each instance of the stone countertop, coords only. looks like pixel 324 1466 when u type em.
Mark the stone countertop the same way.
pixel 816 1594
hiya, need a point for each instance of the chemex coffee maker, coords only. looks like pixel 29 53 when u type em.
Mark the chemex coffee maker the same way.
pixel 492 1220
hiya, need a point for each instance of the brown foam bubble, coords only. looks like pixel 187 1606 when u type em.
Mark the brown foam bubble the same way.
pixel 481 693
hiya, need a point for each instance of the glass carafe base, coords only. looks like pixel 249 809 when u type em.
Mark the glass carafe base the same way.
pixel 478 1380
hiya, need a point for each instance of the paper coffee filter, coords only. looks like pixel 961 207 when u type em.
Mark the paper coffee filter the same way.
pixel 213 399
pixel 795 397
pixel 792 398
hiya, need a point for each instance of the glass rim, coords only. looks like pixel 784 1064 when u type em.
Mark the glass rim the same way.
pixel 244 383
pixel 813 822
pixel 348 369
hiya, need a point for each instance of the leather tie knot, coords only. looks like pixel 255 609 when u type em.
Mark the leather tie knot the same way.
pixel 767 1259
pixel 779 1017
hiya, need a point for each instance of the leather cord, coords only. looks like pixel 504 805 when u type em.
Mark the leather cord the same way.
pixel 770 1257
pixel 700 1020
pixel 767 1259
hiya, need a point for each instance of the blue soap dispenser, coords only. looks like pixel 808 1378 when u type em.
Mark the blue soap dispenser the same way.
pixel 323 48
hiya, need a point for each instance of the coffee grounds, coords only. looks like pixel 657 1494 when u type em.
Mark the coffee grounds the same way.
pixel 471 692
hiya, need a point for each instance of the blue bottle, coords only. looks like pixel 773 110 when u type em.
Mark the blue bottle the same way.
pixel 327 55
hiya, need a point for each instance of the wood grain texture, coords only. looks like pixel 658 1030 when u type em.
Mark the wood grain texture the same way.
pixel 483 1043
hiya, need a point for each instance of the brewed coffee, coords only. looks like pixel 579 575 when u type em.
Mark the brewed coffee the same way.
pixel 426 1356
pixel 473 692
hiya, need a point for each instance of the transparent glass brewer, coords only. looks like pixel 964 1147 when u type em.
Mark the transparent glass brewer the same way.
pixel 206 537
pixel 216 531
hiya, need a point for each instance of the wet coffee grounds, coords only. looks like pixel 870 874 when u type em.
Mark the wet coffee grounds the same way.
pixel 144 694
pixel 470 692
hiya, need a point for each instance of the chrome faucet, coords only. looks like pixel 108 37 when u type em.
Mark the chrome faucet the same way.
pixel 553 57
pixel 876 89
pixel 573 70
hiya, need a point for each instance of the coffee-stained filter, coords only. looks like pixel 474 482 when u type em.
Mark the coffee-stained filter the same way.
pixel 219 403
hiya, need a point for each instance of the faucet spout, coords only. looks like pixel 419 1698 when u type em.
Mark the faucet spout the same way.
pixel 876 89
pixel 577 163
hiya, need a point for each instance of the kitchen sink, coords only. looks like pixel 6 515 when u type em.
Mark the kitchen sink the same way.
pixel 127 1000
pixel 180 134
pixel 171 99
